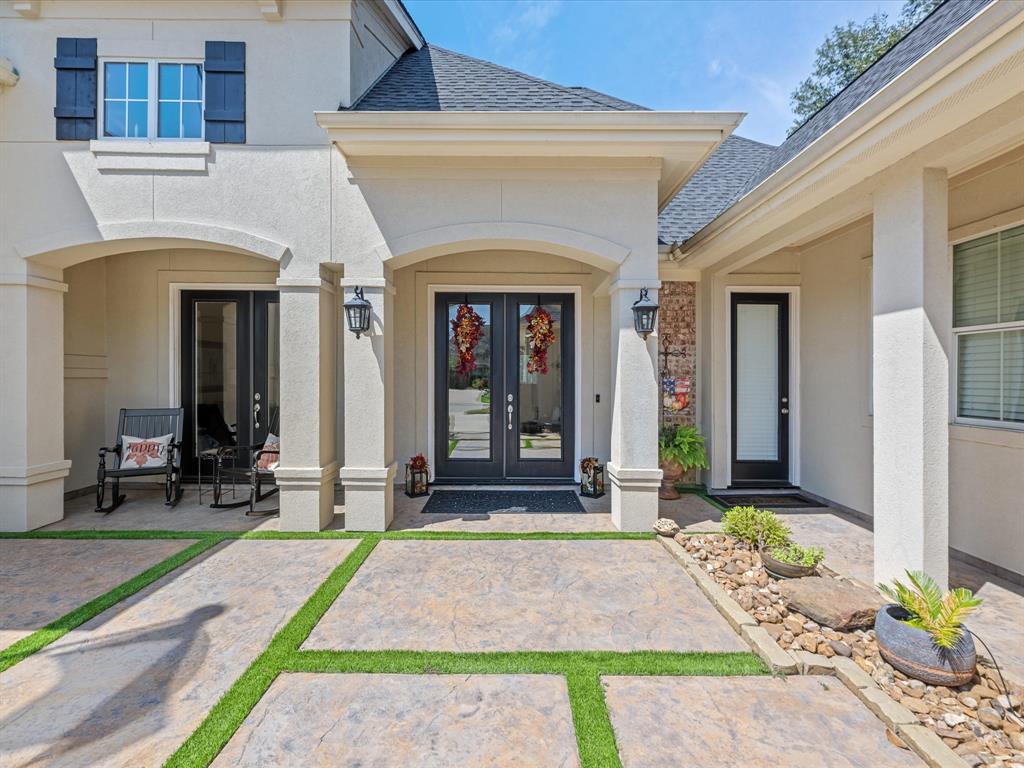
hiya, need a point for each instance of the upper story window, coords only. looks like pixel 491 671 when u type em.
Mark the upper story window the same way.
pixel 152 100
pixel 988 323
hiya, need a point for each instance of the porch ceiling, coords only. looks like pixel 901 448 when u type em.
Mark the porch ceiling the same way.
pixel 679 141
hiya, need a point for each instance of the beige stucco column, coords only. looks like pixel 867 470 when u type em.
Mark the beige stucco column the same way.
pixel 369 471
pixel 912 308
pixel 633 472
pixel 308 370
pixel 32 463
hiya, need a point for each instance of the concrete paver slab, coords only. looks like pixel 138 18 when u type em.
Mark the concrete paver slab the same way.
pixel 375 721
pixel 615 595
pixel 756 722
pixel 130 685
pixel 42 579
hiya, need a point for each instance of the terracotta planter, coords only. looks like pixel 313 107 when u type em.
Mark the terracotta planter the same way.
pixel 671 472
pixel 913 652
pixel 781 570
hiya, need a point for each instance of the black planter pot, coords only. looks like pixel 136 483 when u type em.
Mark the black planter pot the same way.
pixel 913 652
pixel 781 570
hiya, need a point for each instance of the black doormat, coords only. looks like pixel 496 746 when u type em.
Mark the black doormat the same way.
pixel 502 502
pixel 766 500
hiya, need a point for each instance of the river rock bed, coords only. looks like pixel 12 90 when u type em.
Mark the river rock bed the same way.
pixel 977 721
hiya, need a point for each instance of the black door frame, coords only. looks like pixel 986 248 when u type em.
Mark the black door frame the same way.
pixel 504 466
pixel 752 473
pixel 250 341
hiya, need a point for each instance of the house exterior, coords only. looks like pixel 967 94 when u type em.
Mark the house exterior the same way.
pixel 191 192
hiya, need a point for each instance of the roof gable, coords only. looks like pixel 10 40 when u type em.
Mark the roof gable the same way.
pixel 435 79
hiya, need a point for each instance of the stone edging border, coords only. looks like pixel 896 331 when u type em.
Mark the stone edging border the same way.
pixel 897 718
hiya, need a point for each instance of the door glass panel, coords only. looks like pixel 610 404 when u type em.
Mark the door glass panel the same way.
pixel 757 382
pixel 540 381
pixel 469 386
pixel 216 373
pixel 273 364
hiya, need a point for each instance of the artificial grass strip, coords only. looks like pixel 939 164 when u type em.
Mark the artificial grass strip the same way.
pixel 227 715
pixel 293 535
pixel 595 738
pixel 126 534
pixel 56 629
pixel 667 663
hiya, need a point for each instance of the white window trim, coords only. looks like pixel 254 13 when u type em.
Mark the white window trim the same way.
pixel 969 330
pixel 152 97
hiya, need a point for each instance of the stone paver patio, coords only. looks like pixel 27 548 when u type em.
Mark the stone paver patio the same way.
pixel 42 579
pixel 522 595
pixel 408 720
pixel 130 685
pixel 754 722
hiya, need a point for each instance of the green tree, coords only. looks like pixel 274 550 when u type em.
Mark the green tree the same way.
pixel 849 50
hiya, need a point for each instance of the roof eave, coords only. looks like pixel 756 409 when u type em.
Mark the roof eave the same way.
pixel 994 20
pixel 680 140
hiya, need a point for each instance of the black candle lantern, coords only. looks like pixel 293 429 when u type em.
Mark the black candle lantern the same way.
pixel 417 477
pixel 645 314
pixel 357 313
pixel 591 478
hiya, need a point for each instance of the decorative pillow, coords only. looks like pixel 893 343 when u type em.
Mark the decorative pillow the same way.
pixel 267 459
pixel 144 452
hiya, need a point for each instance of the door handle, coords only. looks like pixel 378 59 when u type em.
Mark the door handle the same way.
pixel 256 411
pixel 785 410
pixel 510 418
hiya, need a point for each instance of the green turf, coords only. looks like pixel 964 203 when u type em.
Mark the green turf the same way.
pixel 58 628
pixel 290 535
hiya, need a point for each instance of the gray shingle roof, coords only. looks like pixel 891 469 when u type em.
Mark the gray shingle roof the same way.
pixel 932 30
pixel 436 79
pixel 711 189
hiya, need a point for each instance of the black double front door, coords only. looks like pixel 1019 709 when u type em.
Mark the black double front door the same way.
pixel 504 387
pixel 760 389
pixel 230 383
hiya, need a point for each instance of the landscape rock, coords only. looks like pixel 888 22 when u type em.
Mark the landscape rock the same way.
pixel 841 605
pixel 665 527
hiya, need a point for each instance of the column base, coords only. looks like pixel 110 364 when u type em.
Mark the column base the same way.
pixel 307 497
pixel 33 497
pixel 634 497
pixel 369 497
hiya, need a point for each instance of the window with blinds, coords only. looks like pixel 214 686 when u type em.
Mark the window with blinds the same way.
pixel 988 322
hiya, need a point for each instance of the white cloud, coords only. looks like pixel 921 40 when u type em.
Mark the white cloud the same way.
pixel 529 17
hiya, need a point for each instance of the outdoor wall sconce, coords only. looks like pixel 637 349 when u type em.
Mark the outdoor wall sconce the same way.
pixel 357 313
pixel 645 314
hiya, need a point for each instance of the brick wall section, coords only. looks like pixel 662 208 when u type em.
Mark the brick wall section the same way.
pixel 677 328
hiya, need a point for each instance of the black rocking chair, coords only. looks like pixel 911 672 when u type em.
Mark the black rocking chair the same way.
pixel 144 423
pixel 228 471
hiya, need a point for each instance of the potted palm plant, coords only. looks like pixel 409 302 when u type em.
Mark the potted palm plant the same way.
pixel 680 449
pixel 921 632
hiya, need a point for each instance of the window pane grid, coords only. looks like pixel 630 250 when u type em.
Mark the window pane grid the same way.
pixel 988 319
pixel 152 99
pixel 180 101
pixel 126 99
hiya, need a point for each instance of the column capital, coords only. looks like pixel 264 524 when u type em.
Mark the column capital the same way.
pixel 378 283
pixel 633 284
pixel 298 284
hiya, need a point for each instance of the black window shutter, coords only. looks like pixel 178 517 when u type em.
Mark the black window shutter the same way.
pixel 225 92
pixel 76 88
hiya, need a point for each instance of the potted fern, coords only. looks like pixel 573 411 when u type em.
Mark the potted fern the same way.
pixel 921 632
pixel 680 449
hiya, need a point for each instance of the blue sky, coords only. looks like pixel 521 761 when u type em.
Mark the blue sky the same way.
pixel 663 54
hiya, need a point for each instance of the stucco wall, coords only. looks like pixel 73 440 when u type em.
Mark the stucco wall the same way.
pixel 86 370
pixel 835 369
pixel 506 270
